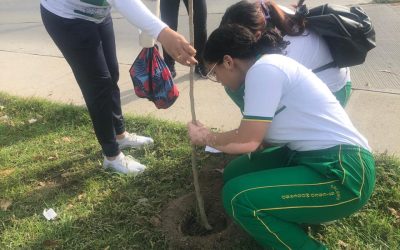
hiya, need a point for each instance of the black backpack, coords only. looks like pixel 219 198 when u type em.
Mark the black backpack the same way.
pixel 348 31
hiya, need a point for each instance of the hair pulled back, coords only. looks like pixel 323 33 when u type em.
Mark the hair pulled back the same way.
pixel 239 42
pixel 254 17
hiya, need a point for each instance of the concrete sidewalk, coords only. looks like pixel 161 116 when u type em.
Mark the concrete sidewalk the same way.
pixel 32 66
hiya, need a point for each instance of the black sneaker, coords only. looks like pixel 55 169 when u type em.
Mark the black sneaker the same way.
pixel 201 70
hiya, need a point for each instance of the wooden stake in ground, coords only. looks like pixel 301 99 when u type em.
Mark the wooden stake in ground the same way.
pixel 200 202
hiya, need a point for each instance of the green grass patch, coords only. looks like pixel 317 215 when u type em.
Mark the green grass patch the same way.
pixel 49 158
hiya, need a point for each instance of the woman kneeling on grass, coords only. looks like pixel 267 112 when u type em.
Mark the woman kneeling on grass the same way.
pixel 320 168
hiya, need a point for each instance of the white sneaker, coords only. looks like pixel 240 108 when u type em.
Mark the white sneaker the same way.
pixel 124 164
pixel 134 141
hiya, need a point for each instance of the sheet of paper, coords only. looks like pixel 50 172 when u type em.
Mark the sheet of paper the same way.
pixel 212 150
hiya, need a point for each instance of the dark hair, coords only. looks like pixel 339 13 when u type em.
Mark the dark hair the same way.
pixel 253 16
pixel 239 42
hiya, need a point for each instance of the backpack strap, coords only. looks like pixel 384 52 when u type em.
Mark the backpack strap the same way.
pixel 324 67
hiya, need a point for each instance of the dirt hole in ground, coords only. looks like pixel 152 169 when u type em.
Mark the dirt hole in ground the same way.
pixel 191 225
pixel 180 223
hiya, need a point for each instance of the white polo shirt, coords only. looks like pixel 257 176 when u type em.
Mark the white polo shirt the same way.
pixel 311 50
pixel 97 10
pixel 303 112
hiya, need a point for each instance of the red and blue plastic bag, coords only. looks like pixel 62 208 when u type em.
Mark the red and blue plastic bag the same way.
pixel 152 78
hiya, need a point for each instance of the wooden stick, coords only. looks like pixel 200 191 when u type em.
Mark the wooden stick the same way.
pixel 200 202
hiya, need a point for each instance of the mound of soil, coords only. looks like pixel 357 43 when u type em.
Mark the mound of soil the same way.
pixel 181 226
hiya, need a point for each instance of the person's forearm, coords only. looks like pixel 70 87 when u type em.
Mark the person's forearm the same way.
pixel 139 15
pixel 231 142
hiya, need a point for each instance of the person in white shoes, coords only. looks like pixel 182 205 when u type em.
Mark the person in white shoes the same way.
pixel 83 31
pixel 126 164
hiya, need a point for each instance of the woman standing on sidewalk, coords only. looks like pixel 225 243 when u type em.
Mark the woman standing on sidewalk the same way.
pixel 306 47
pixel 320 168
pixel 83 31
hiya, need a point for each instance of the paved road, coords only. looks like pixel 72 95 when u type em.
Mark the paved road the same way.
pixel 21 31
pixel 382 68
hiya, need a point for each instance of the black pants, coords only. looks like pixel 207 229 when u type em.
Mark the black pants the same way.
pixel 169 14
pixel 89 49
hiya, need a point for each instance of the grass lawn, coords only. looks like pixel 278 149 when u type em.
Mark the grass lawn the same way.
pixel 49 158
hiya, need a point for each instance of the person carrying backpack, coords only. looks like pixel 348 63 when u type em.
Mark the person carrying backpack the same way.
pixel 306 46
pixel 319 168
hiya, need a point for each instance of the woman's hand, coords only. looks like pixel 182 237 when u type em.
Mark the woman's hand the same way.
pixel 198 133
pixel 177 46
pixel 247 138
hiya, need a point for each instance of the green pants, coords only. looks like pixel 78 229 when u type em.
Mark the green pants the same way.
pixel 272 192
pixel 341 95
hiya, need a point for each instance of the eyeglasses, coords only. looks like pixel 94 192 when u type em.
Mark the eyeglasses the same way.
pixel 211 74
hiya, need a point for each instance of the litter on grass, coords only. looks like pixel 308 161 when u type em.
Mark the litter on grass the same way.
pixel 50 214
